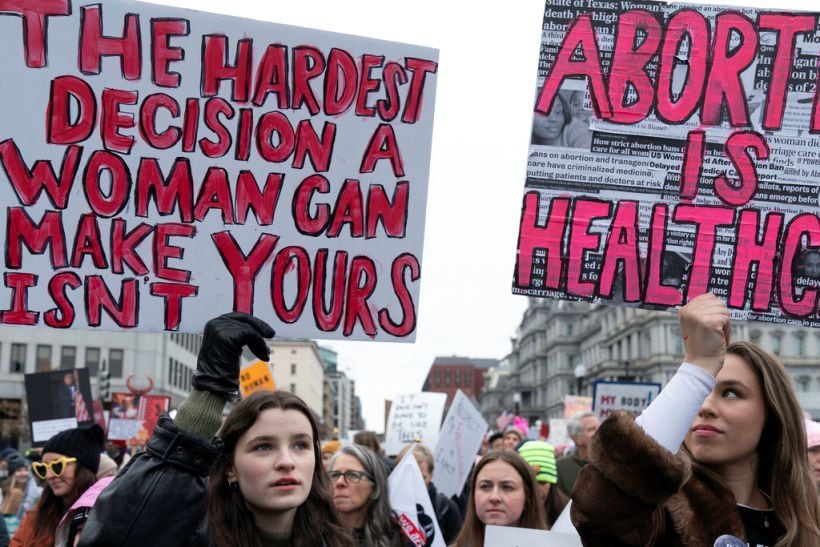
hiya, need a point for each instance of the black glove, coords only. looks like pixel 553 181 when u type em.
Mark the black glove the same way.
pixel 217 367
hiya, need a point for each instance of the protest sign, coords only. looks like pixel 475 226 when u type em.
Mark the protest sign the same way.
pixel 415 417
pixel 256 377
pixel 57 400
pixel 526 537
pixel 576 404
pixel 160 165
pixel 675 150
pixel 458 443
pixel 411 504
pixel 134 416
pixel 558 435
pixel 632 396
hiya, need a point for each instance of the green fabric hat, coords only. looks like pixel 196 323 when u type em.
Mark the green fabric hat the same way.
pixel 541 457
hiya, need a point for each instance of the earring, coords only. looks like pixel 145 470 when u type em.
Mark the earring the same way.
pixel 233 486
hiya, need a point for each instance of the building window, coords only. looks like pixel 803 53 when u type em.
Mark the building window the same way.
pixel 68 357
pixel 43 358
pixel 438 378
pixel 293 352
pixel 92 360
pixel 293 388
pixel 777 343
pixel 458 378
pixel 18 358
pixel 468 378
pixel 115 363
pixel 447 378
pixel 293 368
pixel 801 343
pixel 170 371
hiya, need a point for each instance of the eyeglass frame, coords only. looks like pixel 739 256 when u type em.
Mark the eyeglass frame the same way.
pixel 334 476
pixel 50 466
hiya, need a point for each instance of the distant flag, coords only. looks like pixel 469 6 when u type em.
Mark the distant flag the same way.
pixel 411 503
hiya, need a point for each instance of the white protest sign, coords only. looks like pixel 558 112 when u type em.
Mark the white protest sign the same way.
pixel 413 417
pixel 159 166
pixel 632 396
pixel 509 536
pixel 411 504
pixel 458 442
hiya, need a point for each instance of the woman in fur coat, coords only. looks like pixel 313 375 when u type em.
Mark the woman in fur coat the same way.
pixel 741 471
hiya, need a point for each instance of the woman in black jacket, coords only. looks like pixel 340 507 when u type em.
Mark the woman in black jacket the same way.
pixel 266 485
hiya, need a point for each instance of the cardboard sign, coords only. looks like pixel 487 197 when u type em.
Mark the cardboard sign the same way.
pixel 526 537
pixel 414 417
pixel 674 151
pixel 57 400
pixel 133 417
pixel 159 166
pixel 632 396
pixel 256 377
pixel 458 442
pixel 576 404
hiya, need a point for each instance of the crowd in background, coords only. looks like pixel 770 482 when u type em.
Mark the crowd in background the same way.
pixel 723 452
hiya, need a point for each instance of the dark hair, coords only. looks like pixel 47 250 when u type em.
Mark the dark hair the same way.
pixel 554 504
pixel 567 114
pixel 532 516
pixel 51 508
pixel 231 522
pixel 368 439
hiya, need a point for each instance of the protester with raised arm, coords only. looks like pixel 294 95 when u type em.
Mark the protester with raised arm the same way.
pixel 741 469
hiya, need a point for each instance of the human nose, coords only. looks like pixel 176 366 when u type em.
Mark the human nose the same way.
pixel 285 460
pixel 495 495
pixel 708 409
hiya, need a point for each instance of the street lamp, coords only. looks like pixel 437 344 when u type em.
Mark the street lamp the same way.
pixel 516 402
pixel 579 371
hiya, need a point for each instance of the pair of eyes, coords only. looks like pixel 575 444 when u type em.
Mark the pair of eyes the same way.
pixel 488 486
pixel 296 445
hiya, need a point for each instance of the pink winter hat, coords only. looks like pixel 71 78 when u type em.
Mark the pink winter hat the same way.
pixel 812 433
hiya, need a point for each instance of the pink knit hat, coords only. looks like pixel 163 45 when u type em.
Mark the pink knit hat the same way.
pixel 812 433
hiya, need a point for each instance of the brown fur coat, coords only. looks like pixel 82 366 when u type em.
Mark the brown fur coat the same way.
pixel 635 492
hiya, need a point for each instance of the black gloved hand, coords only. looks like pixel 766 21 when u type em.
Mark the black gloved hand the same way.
pixel 217 367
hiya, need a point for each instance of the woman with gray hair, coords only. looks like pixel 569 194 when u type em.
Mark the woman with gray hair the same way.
pixel 360 496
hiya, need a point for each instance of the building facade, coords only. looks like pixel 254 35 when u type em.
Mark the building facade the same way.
pixel 297 367
pixel 169 359
pixel 449 374
pixel 563 347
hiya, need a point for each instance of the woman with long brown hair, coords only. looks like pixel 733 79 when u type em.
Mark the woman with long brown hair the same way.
pixel 742 472
pixel 503 492
pixel 68 466
pixel 259 483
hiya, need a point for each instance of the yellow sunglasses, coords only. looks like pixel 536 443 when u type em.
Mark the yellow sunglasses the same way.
pixel 57 466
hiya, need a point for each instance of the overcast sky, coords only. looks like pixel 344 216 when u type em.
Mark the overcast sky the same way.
pixel 488 55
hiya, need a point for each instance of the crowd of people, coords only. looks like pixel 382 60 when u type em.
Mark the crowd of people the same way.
pixel 723 452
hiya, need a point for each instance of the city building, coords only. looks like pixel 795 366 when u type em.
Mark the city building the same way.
pixel 449 374
pixel 563 347
pixel 297 367
pixel 168 359
pixel 341 390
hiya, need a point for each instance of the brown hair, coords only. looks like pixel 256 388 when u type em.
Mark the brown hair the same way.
pixel 368 439
pixel 783 469
pixel 532 516
pixel 230 522
pixel 50 509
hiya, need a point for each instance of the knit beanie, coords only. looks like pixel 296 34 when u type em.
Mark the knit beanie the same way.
pixel 15 463
pixel 541 457
pixel 84 443
pixel 812 433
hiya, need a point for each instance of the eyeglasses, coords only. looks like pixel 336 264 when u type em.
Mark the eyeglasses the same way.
pixel 57 466
pixel 351 477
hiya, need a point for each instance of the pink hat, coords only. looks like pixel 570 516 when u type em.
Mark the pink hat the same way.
pixel 812 433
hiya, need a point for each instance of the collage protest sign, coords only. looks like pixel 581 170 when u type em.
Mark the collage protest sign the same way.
pixel 160 164
pixel 675 151
pixel 57 400
pixel 413 417
pixel 134 415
